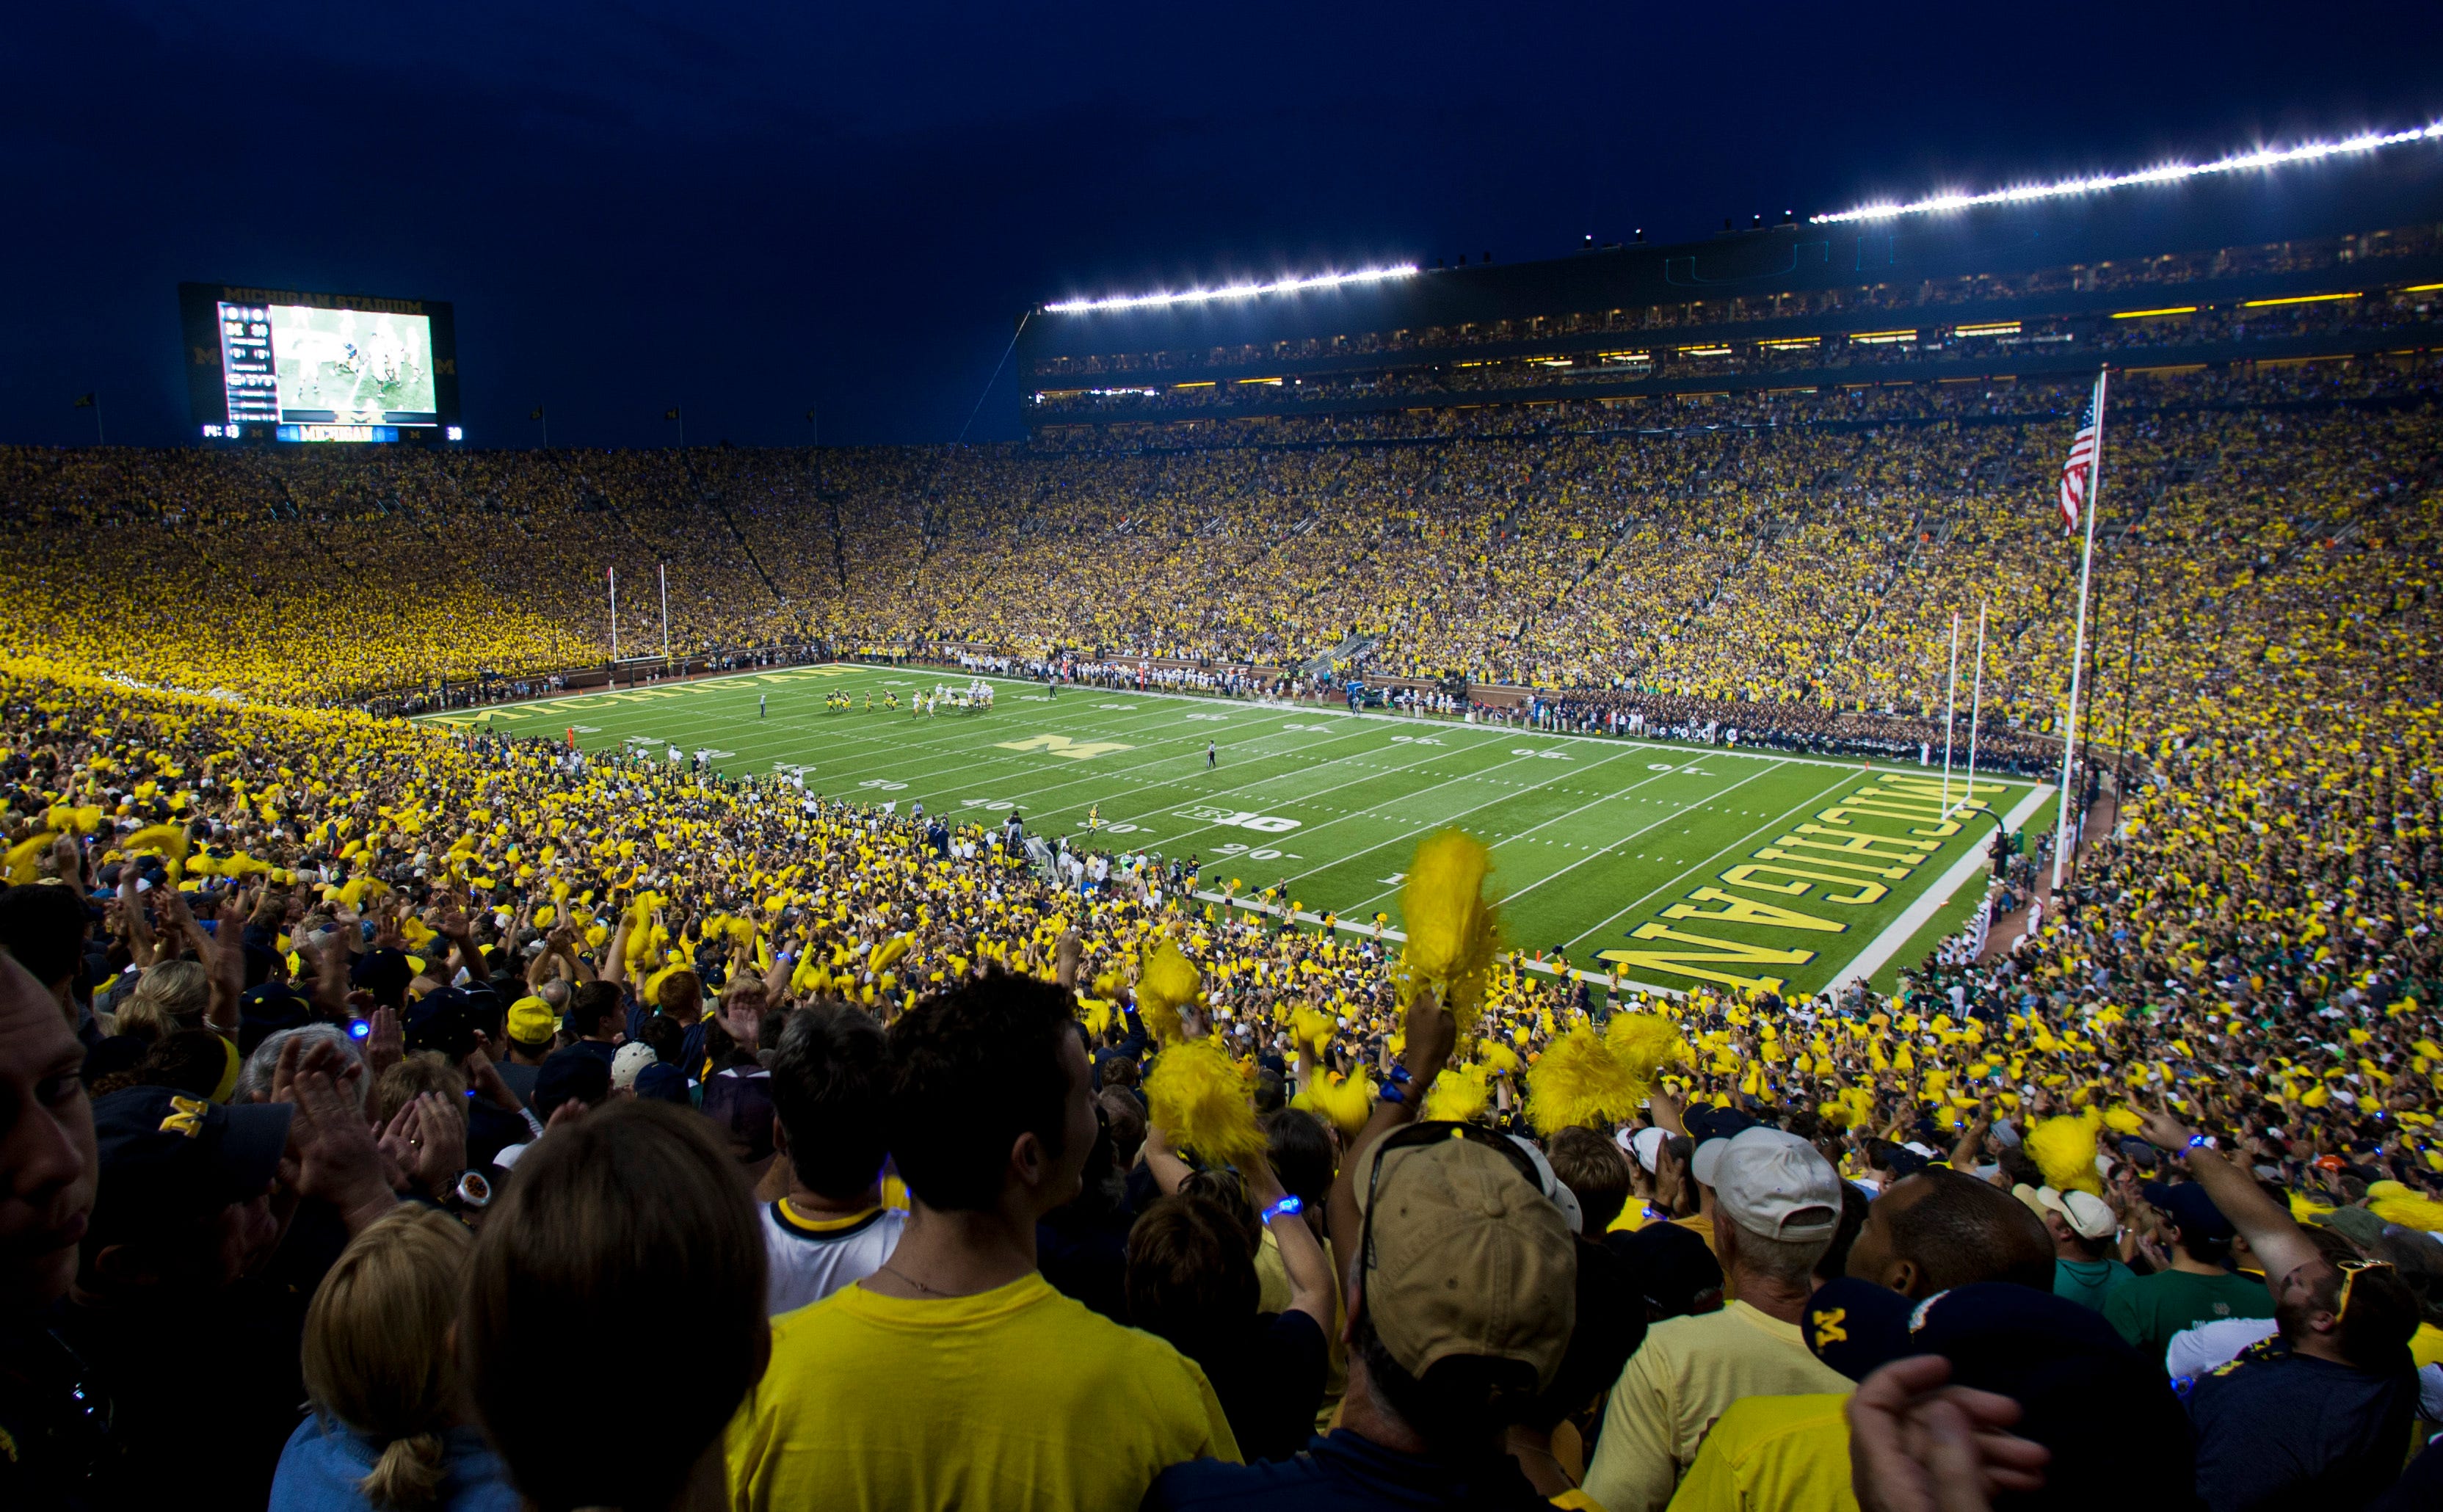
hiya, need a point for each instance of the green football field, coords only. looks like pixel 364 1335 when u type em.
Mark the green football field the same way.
pixel 1668 865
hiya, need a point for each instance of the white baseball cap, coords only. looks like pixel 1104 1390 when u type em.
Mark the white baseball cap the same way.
pixel 2088 1215
pixel 630 1063
pixel 1647 1144
pixel 1778 1185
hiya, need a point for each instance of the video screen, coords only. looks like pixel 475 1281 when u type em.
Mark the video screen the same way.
pixel 314 367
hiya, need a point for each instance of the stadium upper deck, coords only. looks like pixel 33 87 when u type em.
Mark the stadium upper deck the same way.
pixel 2228 278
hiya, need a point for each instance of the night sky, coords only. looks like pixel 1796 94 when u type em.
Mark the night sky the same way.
pixel 752 212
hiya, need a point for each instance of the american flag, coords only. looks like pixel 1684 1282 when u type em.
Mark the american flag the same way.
pixel 2085 455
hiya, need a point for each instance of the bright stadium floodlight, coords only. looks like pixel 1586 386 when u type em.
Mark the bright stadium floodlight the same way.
pixel 1232 291
pixel 2167 174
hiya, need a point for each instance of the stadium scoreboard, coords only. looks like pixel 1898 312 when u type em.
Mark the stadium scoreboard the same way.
pixel 267 364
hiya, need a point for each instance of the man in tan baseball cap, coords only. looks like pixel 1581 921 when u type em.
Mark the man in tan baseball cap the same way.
pixel 1464 1298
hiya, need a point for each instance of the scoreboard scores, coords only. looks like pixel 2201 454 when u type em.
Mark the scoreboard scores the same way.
pixel 288 365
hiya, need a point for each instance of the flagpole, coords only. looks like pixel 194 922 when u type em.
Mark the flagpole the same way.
pixel 1976 701
pixel 665 571
pixel 2062 839
pixel 1950 711
pixel 99 439
pixel 615 621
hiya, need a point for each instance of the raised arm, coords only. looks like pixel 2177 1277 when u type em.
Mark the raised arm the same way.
pixel 2270 1230
pixel 1302 1257
pixel 1431 1034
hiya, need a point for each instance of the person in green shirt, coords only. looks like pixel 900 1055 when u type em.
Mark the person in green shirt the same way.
pixel 2083 1228
pixel 2199 1287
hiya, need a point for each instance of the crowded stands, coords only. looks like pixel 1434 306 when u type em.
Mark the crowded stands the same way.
pixel 379 1092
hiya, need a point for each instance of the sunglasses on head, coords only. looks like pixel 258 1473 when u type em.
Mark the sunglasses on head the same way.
pixel 2351 1270
pixel 1417 1134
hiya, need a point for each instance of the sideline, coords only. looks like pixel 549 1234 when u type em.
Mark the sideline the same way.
pixel 1934 899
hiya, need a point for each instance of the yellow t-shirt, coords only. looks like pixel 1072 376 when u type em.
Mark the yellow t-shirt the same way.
pixel 2426 1345
pixel 1013 1398
pixel 1687 1374
pixel 1782 1453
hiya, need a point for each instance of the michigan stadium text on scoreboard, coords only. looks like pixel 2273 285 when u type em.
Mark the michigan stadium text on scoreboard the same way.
pixel 292 365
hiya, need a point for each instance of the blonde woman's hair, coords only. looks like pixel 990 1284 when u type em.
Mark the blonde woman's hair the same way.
pixel 168 997
pixel 424 1071
pixel 377 1351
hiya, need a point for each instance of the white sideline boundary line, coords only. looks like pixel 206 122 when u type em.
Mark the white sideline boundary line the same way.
pixel 456 718
pixel 1934 899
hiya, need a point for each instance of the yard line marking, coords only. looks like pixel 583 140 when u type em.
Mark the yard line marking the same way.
pixel 1581 809
pixel 1347 816
pixel 1438 823
pixel 1627 838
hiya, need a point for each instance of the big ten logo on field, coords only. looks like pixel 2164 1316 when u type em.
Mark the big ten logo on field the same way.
pixel 1847 857
pixel 1061 745
pixel 1264 824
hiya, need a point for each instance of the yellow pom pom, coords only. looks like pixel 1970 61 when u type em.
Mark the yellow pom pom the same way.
pixel 2302 1210
pixel 2122 1120
pixel 1646 1043
pixel 888 953
pixel 1579 1079
pixel 1345 1101
pixel 1165 983
pixel 24 859
pixel 1198 1098
pixel 2063 1150
pixel 2394 1203
pixel 1452 931
pixel 1459 1096
pixel 1313 1030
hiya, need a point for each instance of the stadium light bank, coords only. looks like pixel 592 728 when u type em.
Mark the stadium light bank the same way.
pixel 2167 174
pixel 1232 291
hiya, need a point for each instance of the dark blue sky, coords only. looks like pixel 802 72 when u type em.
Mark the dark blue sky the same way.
pixel 754 211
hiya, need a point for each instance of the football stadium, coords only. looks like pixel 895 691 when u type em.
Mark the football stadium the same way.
pixel 1791 866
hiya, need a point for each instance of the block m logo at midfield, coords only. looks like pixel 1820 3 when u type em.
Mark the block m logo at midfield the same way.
pixel 1061 745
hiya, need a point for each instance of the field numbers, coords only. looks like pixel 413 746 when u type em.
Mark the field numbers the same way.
pixel 1240 819
pixel 1208 718
pixel 1415 739
pixel 883 785
pixel 1548 756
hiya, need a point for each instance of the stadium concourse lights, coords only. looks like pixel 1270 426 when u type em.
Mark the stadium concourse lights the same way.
pixel 2167 174
pixel 1232 291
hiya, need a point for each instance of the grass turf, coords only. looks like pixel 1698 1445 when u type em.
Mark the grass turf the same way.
pixel 1614 850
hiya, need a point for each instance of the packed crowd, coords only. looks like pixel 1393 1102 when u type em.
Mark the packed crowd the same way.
pixel 915 1117
pixel 385 1069
pixel 1798 577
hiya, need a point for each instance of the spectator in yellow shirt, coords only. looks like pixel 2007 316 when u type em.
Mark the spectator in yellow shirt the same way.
pixel 1777 1205
pixel 955 1376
